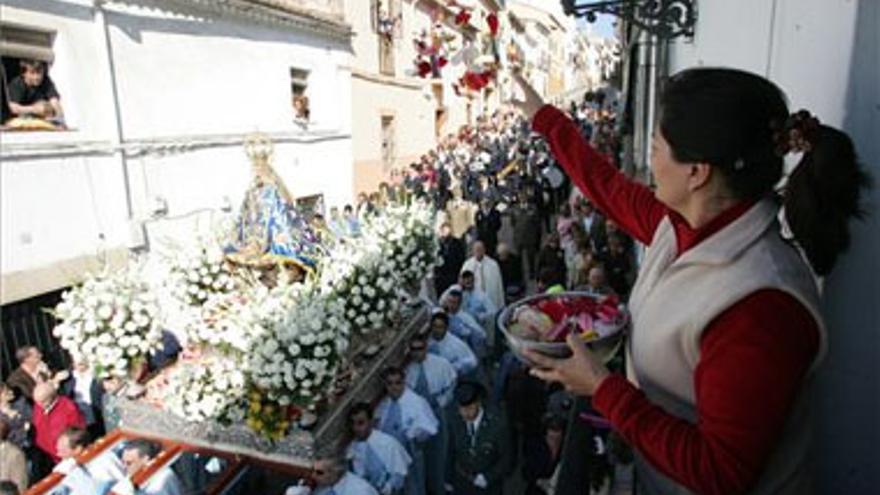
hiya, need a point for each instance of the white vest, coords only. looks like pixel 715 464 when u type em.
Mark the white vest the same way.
pixel 673 301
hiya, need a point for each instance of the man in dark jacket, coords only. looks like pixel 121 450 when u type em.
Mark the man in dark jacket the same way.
pixel 527 232
pixel 480 447
pixel 453 254
pixel 511 272
pixel 488 221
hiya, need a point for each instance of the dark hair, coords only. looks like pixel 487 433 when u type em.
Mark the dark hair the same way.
pixel 33 64
pixel 550 277
pixel 730 119
pixel 4 429
pixel 466 274
pixel 8 488
pixel 145 448
pixel 440 315
pixel 358 408
pixel 390 371
pixel 554 421
pixel 76 437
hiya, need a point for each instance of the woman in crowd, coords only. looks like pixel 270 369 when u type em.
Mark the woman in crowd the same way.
pixel 719 285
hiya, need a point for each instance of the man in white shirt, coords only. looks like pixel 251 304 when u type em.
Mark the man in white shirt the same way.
pixel 408 417
pixel 487 274
pixel 376 456
pixel 475 301
pixel 450 347
pixel 106 467
pixel 332 478
pixel 137 455
pixel 463 324
pixel 432 377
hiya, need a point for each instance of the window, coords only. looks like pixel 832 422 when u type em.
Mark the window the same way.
pixel 33 98
pixel 385 16
pixel 388 141
pixel 299 83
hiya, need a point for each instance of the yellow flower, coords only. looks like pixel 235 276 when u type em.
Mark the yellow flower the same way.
pixel 255 407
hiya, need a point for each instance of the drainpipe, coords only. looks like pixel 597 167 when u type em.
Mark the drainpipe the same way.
pixel 137 235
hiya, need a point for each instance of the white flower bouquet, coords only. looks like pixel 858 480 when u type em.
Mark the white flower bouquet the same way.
pixel 297 358
pixel 197 275
pixel 212 388
pixel 408 240
pixel 110 322
pixel 360 278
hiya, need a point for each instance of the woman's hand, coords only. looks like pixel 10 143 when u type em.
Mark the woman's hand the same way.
pixel 531 102
pixel 581 373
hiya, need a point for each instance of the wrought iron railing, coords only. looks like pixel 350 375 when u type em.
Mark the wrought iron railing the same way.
pixel 27 323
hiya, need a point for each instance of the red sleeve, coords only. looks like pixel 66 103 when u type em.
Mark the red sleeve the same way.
pixel 760 348
pixel 630 204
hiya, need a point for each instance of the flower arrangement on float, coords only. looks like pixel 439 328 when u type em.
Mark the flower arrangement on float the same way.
pixel 254 354
pixel 110 322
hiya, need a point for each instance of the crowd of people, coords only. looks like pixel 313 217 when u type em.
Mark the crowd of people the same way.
pixel 462 415
pixel 48 418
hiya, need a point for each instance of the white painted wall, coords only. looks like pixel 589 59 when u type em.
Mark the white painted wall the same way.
pixel 181 77
pixel 825 54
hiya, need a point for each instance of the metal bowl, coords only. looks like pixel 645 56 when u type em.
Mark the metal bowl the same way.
pixel 605 347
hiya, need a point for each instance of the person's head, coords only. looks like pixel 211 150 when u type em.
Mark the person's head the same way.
pixel 33 72
pixel 468 397
pixel 552 241
pixel 548 277
pixel 554 427
pixel 362 197
pixel 565 210
pixel 451 300
pixel 334 212
pixel 439 324
pixel 7 395
pixel 8 488
pixel 478 250
pixel 72 442
pixel 347 210
pixel 360 420
pixel 721 139
pixel 393 379
pixel 327 471
pixel 138 453
pixel 112 384
pixel 467 280
pixel 596 277
pixel 29 357
pixel 615 243
pixel 45 394
pixel 445 229
pixel 503 251
pixel 418 348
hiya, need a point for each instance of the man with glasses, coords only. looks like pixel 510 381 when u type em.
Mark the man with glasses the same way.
pixel 331 477
pixel 408 417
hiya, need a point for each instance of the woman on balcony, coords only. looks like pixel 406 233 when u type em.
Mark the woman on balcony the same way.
pixel 726 322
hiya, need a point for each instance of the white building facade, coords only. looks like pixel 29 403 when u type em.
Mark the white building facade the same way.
pixel 159 96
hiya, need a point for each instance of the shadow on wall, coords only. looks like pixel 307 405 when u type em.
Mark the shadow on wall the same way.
pixel 847 402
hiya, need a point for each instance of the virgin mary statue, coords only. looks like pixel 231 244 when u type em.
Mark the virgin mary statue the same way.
pixel 270 235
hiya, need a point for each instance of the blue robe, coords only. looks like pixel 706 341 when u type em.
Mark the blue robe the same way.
pixel 412 422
